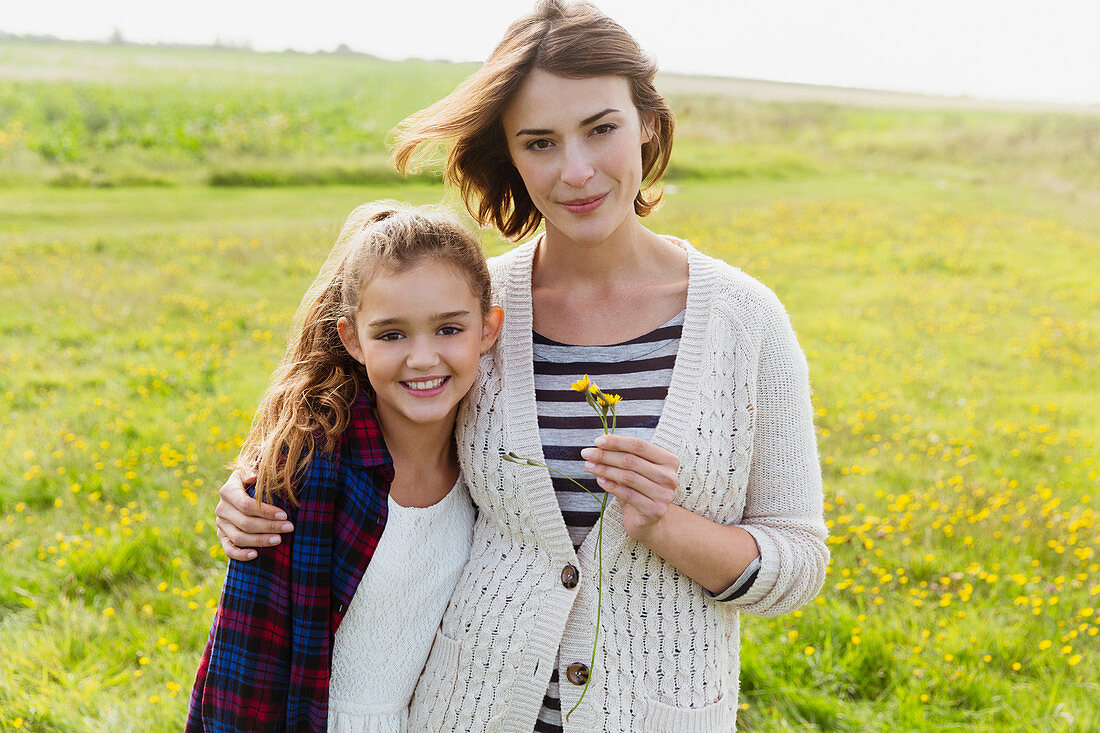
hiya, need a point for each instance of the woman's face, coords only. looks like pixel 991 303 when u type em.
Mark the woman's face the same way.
pixel 577 144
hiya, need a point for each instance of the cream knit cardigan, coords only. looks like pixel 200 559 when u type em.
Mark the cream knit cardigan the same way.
pixel 738 415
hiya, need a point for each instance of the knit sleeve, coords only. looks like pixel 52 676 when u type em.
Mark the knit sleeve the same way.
pixel 783 503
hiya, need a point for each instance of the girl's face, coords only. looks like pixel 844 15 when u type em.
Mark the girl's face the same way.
pixel 419 334
pixel 577 144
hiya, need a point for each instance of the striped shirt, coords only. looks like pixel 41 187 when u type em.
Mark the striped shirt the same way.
pixel 640 370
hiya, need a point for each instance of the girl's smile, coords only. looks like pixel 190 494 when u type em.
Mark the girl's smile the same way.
pixel 426 387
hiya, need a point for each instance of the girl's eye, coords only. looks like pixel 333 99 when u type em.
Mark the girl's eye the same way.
pixel 449 330
pixel 390 336
pixel 540 144
pixel 604 128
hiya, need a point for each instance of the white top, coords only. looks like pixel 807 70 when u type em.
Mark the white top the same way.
pixel 384 639
pixel 738 415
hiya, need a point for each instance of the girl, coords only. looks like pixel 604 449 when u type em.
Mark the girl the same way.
pixel 354 440
pixel 717 504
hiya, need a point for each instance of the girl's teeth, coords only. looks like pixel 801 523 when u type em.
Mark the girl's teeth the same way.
pixel 430 384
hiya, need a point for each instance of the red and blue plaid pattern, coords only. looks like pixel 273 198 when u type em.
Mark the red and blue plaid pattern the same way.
pixel 267 662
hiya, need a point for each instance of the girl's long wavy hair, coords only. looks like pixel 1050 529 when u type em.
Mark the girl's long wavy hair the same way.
pixel 571 40
pixel 308 402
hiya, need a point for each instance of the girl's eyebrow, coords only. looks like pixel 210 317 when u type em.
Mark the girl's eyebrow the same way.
pixel 584 123
pixel 401 320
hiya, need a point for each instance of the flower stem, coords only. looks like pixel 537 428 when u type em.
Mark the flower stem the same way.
pixel 599 558
pixel 604 406
pixel 599 607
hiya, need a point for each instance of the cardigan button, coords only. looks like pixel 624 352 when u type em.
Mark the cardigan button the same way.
pixel 577 673
pixel 570 576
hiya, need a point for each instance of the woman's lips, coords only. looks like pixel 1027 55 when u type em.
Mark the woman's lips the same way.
pixel 584 206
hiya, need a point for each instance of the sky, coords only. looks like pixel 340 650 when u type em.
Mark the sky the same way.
pixel 991 49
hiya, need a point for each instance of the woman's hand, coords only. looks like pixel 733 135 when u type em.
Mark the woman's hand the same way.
pixel 243 522
pixel 641 475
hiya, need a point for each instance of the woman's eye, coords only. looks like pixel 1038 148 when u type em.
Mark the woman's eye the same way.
pixel 540 144
pixel 604 128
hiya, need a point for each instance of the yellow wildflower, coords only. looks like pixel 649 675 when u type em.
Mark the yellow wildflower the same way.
pixel 608 400
pixel 582 384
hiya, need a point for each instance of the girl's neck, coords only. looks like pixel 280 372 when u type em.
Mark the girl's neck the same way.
pixel 425 459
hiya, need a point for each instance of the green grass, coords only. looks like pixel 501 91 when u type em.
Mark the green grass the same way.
pixel 89 115
pixel 949 317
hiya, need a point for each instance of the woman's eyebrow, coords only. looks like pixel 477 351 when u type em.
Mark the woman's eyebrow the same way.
pixel 589 120
pixel 583 123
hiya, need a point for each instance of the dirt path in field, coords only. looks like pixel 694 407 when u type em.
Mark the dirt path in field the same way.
pixel 776 91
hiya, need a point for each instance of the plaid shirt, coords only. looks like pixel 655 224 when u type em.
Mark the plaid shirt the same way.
pixel 267 662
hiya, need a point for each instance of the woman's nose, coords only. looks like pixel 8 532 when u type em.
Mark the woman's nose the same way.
pixel 576 167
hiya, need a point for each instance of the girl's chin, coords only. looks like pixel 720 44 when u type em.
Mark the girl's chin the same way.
pixel 428 417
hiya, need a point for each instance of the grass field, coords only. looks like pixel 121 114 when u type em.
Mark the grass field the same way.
pixel 940 267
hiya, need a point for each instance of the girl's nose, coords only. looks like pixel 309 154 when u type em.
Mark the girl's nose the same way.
pixel 576 168
pixel 422 355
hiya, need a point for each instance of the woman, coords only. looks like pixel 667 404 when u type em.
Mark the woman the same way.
pixel 719 503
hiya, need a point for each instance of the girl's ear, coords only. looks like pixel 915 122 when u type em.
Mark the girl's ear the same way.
pixel 490 330
pixel 349 338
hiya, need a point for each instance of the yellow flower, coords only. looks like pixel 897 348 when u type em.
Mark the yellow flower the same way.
pixel 608 400
pixel 581 385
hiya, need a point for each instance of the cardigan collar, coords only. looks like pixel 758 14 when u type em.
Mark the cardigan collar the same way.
pixel 517 356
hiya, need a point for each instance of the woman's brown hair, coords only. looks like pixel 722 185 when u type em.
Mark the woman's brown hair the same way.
pixel 571 40
pixel 308 403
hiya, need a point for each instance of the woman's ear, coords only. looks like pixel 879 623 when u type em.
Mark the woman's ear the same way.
pixel 649 125
pixel 490 329
pixel 349 338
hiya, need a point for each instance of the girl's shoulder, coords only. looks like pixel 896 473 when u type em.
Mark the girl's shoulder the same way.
pixel 356 460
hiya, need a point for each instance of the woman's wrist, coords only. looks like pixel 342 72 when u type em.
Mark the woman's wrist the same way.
pixel 712 554
pixel 655 534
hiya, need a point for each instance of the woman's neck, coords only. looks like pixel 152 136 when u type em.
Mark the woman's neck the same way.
pixel 632 253
pixel 634 282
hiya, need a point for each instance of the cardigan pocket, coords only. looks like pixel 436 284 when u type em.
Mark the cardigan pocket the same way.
pixel 432 696
pixel 444 654
pixel 443 658
pixel 661 718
